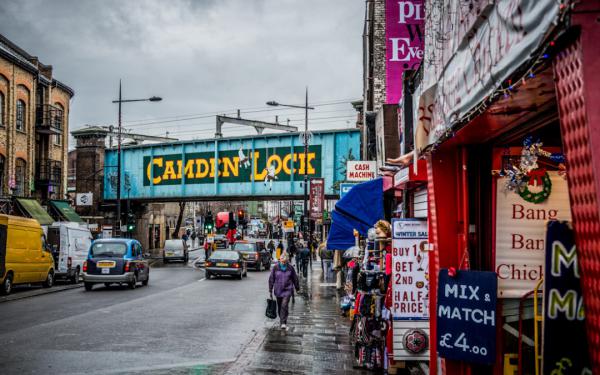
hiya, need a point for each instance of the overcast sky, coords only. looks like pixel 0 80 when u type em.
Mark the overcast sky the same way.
pixel 201 56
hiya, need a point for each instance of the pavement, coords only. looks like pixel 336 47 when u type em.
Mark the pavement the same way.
pixel 316 342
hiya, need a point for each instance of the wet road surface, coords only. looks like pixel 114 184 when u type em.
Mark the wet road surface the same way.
pixel 180 321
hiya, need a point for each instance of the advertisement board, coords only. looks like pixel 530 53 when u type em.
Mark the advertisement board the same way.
pixel 520 234
pixel 317 198
pixel 404 36
pixel 358 170
pixel 288 226
pixel 466 316
pixel 84 199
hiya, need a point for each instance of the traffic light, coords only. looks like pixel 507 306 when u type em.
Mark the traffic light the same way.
pixel 241 218
pixel 208 222
pixel 130 222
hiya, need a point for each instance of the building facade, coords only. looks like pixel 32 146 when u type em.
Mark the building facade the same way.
pixel 34 122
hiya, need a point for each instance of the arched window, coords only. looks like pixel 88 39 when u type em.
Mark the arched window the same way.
pixel 21 117
pixel 1 109
pixel 20 173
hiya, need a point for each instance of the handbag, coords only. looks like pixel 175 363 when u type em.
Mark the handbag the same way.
pixel 271 311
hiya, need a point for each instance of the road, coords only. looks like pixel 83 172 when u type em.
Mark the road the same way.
pixel 180 321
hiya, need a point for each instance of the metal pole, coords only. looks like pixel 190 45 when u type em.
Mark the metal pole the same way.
pixel 118 221
pixel 305 167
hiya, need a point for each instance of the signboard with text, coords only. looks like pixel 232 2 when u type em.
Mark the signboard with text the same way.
pixel 410 269
pixel 520 235
pixel 466 316
pixel 404 36
pixel 317 198
pixel 563 299
pixel 358 170
pixel 288 226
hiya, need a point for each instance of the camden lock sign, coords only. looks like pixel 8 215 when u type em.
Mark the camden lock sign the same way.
pixel 266 164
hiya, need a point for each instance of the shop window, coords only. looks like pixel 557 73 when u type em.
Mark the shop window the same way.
pixel 20 170
pixel 21 117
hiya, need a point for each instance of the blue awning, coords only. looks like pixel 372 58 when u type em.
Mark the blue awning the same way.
pixel 359 209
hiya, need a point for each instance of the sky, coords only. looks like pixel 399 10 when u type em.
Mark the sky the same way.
pixel 201 56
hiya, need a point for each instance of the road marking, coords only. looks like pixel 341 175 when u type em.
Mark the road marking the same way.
pixel 201 279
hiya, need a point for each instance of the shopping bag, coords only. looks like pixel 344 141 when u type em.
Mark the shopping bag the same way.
pixel 271 312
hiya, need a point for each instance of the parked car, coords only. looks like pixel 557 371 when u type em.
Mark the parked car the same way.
pixel 254 253
pixel 24 257
pixel 226 262
pixel 115 260
pixel 175 250
pixel 69 244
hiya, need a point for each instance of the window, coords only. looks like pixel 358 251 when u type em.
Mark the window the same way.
pixel 21 118
pixel 20 169
pixel 108 249
pixel 1 109
pixel 58 123
pixel 2 163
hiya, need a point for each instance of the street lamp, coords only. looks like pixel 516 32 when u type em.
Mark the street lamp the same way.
pixel 306 108
pixel 120 101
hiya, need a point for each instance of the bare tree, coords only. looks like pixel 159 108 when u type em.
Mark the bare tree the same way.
pixel 179 219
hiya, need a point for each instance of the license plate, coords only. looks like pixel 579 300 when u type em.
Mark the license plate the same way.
pixel 170 254
pixel 222 265
pixel 245 256
pixel 106 270
pixel 106 264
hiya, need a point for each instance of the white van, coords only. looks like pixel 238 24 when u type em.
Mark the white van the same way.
pixel 175 250
pixel 70 243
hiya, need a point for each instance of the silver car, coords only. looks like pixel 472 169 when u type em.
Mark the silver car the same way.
pixel 175 250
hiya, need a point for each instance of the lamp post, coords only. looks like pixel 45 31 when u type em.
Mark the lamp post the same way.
pixel 120 101
pixel 306 108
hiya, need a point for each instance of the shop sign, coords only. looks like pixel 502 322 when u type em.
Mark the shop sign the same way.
pixel 288 226
pixel 491 40
pixel 563 299
pixel 358 170
pixel 466 316
pixel 410 269
pixel 345 188
pixel 520 235
pixel 404 35
pixel 84 199
pixel 317 198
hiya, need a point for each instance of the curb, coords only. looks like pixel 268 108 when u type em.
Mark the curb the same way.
pixel 39 292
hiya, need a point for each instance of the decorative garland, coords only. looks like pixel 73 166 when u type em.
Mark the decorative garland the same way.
pixel 538 197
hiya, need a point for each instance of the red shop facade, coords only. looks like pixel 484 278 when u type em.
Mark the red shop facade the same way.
pixel 474 112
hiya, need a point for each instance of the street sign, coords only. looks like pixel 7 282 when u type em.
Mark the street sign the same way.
pixel 317 198
pixel 288 226
pixel 563 299
pixel 466 316
pixel 358 170
pixel 84 199
pixel 345 188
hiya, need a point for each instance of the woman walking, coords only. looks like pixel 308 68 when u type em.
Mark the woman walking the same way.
pixel 282 281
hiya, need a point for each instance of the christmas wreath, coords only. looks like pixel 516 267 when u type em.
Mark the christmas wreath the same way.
pixel 536 176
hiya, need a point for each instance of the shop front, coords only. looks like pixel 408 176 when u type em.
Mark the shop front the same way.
pixel 508 142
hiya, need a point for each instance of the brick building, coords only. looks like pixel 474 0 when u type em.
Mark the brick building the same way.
pixel 34 113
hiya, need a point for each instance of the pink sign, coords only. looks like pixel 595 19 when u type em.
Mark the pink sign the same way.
pixel 404 42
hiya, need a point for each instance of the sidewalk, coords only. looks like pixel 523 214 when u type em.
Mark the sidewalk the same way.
pixel 316 342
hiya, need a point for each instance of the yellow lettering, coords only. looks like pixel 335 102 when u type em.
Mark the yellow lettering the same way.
pixel 159 163
pixel 311 157
pixel 258 176
pixel 302 163
pixel 287 169
pixel 201 168
pixel 189 169
pixel 169 173
pixel 231 167
pixel 179 163
pixel 211 161
pixel 275 158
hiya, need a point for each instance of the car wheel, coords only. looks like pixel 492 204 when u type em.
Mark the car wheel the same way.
pixel 49 280
pixel 7 284
pixel 208 276
pixel 107 285
pixel 89 286
pixel 75 278
pixel 145 282
pixel 133 283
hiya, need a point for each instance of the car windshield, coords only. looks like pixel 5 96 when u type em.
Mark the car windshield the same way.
pixel 243 247
pixel 228 255
pixel 108 249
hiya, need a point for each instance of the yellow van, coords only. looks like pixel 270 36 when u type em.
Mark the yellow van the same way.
pixel 23 255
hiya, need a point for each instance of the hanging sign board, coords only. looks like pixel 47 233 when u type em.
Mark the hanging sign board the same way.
pixel 84 199
pixel 520 234
pixel 410 269
pixel 288 226
pixel 358 170
pixel 466 316
pixel 563 299
pixel 317 198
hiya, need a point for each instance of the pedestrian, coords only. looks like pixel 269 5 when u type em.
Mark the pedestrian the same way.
pixel 280 250
pixel 282 282
pixel 292 251
pixel 303 260
pixel 271 247
pixel 194 239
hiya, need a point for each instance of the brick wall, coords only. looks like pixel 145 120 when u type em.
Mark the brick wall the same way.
pixel 379 55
